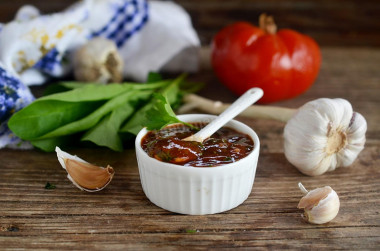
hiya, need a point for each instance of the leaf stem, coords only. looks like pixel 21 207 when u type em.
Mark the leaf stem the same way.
pixel 190 125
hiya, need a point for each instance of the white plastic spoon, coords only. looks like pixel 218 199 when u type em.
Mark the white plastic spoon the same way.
pixel 242 103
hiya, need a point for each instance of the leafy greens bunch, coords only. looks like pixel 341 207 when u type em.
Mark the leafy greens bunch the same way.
pixel 105 115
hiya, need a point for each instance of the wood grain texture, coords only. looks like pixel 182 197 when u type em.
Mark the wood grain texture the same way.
pixel 121 217
pixel 330 23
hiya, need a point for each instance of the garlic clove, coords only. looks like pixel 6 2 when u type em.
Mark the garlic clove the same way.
pixel 88 176
pixel 324 134
pixel 320 205
pixel 85 176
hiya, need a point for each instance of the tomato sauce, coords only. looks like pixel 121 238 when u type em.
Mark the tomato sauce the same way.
pixel 223 147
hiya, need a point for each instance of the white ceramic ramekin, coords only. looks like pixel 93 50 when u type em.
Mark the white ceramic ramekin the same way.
pixel 197 190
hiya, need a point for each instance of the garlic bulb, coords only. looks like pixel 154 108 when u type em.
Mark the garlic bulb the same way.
pixel 320 205
pixel 319 136
pixel 324 134
pixel 98 61
pixel 84 175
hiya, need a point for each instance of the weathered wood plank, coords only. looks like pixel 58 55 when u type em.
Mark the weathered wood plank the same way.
pixel 121 215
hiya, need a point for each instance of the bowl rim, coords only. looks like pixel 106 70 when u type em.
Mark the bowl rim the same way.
pixel 255 149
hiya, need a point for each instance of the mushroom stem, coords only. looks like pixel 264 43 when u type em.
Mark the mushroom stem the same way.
pixel 302 188
pixel 193 101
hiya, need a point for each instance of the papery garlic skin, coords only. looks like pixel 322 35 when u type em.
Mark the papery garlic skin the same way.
pixel 324 134
pixel 85 176
pixel 98 61
pixel 320 205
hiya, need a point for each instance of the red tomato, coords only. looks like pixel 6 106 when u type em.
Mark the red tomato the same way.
pixel 284 64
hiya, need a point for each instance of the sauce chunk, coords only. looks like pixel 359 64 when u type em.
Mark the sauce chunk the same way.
pixel 223 147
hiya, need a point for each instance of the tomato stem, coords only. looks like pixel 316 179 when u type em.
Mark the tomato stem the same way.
pixel 267 24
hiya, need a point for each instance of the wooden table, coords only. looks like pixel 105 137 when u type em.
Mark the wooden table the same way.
pixel 121 217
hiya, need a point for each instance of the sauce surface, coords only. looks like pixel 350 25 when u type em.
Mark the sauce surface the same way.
pixel 223 147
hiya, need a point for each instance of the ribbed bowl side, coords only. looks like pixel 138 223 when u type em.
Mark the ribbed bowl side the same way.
pixel 205 191
pixel 194 190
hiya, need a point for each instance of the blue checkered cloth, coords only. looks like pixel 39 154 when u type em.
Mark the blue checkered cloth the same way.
pixel 13 96
pixel 128 19
pixel 50 63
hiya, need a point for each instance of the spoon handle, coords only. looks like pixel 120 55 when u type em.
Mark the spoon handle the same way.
pixel 247 99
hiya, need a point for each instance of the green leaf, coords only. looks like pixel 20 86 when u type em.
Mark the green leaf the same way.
pixel 95 111
pixel 172 91
pixel 139 119
pixel 63 87
pixel 91 119
pixel 42 117
pixel 191 87
pixel 49 186
pixel 51 112
pixel 154 77
pixel 71 111
pixel 93 92
pixel 105 133
pixel 89 92
pixel 161 114
pixel 134 125
pixel 48 145
pixel 191 231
